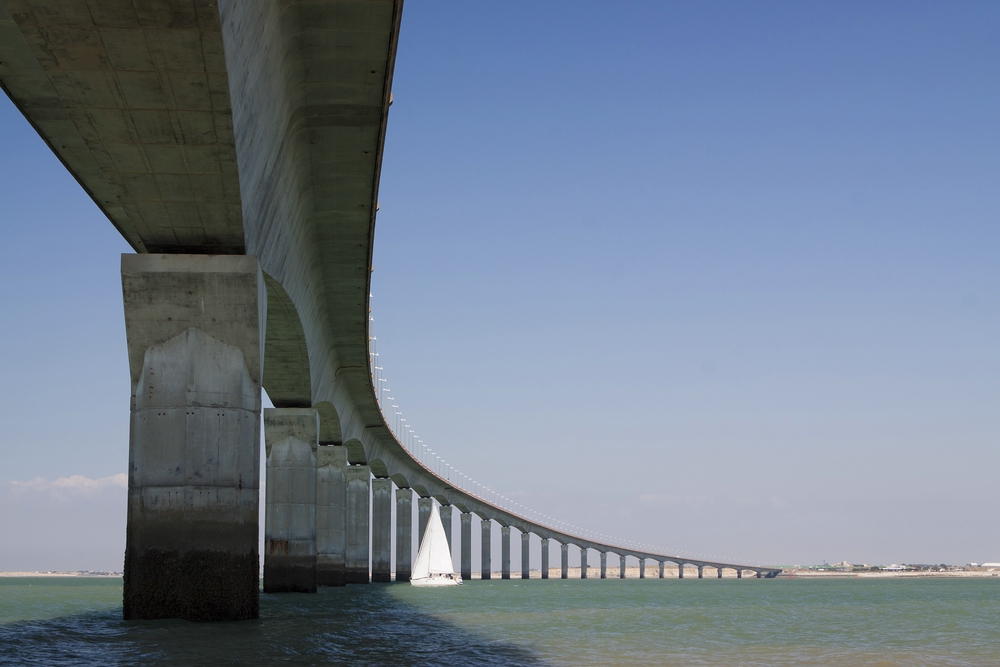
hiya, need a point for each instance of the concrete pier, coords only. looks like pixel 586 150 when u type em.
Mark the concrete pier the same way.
pixel 584 553
pixel 661 569
pixel 382 530
pixel 680 570
pixel 404 534
pixel 604 565
pixel 719 570
pixel 446 522
pixel 525 555
pixel 331 496
pixel 194 326
pixel 545 558
pixel 505 552
pixel 487 551
pixel 356 556
pixel 423 515
pixel 565 560
pixel 739 574
pixel 701 571
pixel 758 574
pixel 465 519
pixel 291 440
pixel 621 566
pixel 642 568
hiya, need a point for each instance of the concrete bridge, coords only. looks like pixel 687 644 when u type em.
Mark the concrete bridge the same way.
pixel 237 146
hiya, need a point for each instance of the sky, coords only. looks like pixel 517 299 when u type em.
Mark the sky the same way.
pixel 720 277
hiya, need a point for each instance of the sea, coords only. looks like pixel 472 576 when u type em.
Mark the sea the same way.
pixel 690 622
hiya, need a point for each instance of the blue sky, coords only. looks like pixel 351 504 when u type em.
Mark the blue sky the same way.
pixel 716 276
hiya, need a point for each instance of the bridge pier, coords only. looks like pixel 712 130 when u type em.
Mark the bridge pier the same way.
pixel 423 516
pixel 545 558
pixel 621 566
pixel 330 496
pixel 661 569
pixel 525 555
pixel 565 560
pixel 487 551
pixel 758 574
pixel 291 440
pixel 358 504
pixel 719 570
pixel 604 565
pixel 382 530
pixel 701 571
pixel 404 534
pixel 465 519
pixel 505 552
pixel 195 331
pixel 642 568
pixel 739 573
pixel 584 553
pixel 446 522
pixel 680 570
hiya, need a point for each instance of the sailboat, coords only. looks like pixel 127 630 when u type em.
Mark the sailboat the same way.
pixel 434 566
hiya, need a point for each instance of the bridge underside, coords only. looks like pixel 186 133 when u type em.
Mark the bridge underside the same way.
pixel 249 133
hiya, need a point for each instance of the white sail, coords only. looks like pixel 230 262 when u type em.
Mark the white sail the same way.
pixel 434 565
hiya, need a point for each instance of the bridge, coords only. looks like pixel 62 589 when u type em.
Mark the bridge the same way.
pixel 237 147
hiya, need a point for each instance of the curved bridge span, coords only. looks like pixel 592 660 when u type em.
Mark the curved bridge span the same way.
pixel 237 147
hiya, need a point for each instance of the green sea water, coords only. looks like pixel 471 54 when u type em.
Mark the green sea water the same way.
pixel 709 622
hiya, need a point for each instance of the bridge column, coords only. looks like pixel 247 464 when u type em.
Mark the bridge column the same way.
pixel 758 574
pixel 584 552
pixel 604 565
pixel 680 570
pixel 505 552
pixel 446 522
pixel 330 499
pixel 739 574
pixel 382 530
pixel 465 519
pixel 291 440
pixel 701 571
pixel 358 503
pixel 487 551
pixel 525 554
pixel 565 560
pixel 404 534
pixel 642 568
pixel 545 558
pixel 195 331
pixel 621 566
pixel 423 516
pixel 719 570
pixel 661 569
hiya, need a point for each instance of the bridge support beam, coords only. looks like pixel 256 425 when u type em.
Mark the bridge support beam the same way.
pixel 487 551
pixel 621 566
pixel 525 555
pixel 584 552
pixel 680 570
pixel 404 534
pixel 604 565
pixel 739 574
pixel 331 494
pixel 382 530
pixel 661 569
pixel 505 552
pixel 758 574
pixel 195 331
pixel 565 560
pixel 701 571
pixel 423 516
pixel 545 558
pixel 358 504
pixel 291 438
pixel 642 568
pixel 465 519
pixel 719 570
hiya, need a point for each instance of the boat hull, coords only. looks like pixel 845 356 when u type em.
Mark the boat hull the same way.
pixel 437 581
